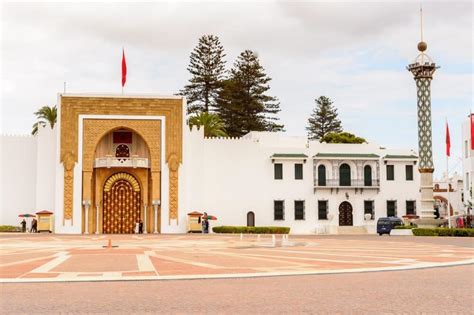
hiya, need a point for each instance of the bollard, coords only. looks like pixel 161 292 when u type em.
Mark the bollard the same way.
pixel 241 236
pixel 258 237
pixel 273 239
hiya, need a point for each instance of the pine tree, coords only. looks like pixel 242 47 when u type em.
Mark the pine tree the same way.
pixel 207 68
pixel 242 103
pixel 323 119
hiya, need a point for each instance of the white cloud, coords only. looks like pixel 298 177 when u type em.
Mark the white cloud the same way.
pixel 353 52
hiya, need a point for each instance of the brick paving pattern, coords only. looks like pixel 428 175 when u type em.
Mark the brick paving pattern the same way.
pixel 47 257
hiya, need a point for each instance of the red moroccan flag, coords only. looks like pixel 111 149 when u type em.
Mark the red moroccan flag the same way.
pixel 448 141
pixel 472 131
pixel 124 68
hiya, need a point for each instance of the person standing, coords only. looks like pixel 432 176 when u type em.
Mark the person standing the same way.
pixel 205 223
pixel 140 226
pixel 137 226
pixel 23 225
pixel 34 226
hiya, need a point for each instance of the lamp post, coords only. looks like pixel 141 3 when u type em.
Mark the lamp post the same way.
pixel 145 205
pixel 86 204
pixel 97 206
pixel 156 203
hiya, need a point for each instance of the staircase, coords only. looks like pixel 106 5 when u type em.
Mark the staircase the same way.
pixel 351 230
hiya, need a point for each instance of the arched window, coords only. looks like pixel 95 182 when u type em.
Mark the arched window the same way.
pixel 250 218
pixel 321 175
pixel 344 175
pixel 367 175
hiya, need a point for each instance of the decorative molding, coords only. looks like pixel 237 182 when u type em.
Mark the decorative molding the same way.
pixel 129 178
pixel 73 106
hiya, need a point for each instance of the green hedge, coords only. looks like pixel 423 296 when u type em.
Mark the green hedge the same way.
pixel 443 232
pixel 252 229
pixel 9 228
pixel 405 227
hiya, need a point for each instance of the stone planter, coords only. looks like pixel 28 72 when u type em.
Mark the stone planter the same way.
pixel 404 232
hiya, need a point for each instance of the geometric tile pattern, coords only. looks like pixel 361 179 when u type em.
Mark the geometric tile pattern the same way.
pixel 154 257
pixel 423 73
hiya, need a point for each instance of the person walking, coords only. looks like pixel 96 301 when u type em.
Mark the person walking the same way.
pixel 34 226
pixel 23 225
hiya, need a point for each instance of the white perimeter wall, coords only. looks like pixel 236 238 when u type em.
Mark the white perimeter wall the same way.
pixel 18 177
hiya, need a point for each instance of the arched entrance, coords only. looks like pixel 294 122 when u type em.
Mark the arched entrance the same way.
pixel 250 218
pixel 345 214
pixel 122 201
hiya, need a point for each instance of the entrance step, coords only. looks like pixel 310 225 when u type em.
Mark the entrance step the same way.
pixel 351 230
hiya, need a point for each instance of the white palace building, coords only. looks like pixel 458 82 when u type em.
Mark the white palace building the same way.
pixel 112 159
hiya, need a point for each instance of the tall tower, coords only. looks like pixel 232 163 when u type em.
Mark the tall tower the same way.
pixel 422 70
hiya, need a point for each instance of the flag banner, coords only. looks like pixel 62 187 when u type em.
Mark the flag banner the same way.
pixel 472 131
pixel 124 69
pixel 448 141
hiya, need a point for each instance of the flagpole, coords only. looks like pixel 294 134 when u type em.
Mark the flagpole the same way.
pixel 447 173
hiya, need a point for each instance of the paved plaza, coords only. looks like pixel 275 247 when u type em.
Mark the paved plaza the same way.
pixel 55 258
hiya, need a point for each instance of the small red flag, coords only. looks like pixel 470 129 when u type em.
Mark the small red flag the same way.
pixel 124 68
pixel 448 141
pixel 472 131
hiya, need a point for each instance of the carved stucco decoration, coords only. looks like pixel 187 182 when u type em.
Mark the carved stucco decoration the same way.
pixel 173 164
pixel 73 106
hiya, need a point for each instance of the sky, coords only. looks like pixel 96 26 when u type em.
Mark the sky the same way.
pixel 352 52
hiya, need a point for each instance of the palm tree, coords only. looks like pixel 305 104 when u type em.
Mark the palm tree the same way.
pixel 45 115
pixel 213 125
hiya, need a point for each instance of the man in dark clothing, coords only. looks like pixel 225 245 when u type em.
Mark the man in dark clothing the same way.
pixel 34 226
pixel 23 226
pixel 140 227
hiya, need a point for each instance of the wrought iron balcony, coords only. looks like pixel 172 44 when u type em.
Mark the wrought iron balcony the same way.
pixel 354 183
pixel 109 162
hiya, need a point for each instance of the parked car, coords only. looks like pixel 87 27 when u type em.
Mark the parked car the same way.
pixel 385 225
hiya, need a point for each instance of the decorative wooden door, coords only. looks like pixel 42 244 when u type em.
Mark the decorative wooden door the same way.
pixel 121 204
pixel 345 214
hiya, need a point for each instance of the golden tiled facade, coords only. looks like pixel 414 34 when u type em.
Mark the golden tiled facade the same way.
pixel 95 129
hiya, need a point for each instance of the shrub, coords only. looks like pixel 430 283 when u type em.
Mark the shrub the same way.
pixel 252 229
pixel 443 232
pixel 9 228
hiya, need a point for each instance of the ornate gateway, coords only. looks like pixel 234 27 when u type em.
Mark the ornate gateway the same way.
pixel 122 202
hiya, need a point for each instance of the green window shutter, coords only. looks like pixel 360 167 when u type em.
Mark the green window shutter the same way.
pixel 298 171
pixel 278 167
pixel 409 172
pixel 390 172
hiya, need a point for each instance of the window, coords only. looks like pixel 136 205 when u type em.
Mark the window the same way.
pixel 369 208
pixel 322 210
pixel 391 208
pixel 299 210
pixel 466 149
pixel 344 175
pixel 468 183
pixel 390 172
pixel 298 171
pixel 278 170
pixel 409 172
pixel 250 218
pixel 279 209
pixel 411 204
pixel 321 175
pixel 367 175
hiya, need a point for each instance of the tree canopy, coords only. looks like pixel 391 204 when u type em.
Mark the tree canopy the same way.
pixel 212 124
pixel 323 119
pixel 342 137
pixel 207 69
pixel 243 103
pixel 45 115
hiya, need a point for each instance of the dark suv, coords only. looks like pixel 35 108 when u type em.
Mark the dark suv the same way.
pixel 385 225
